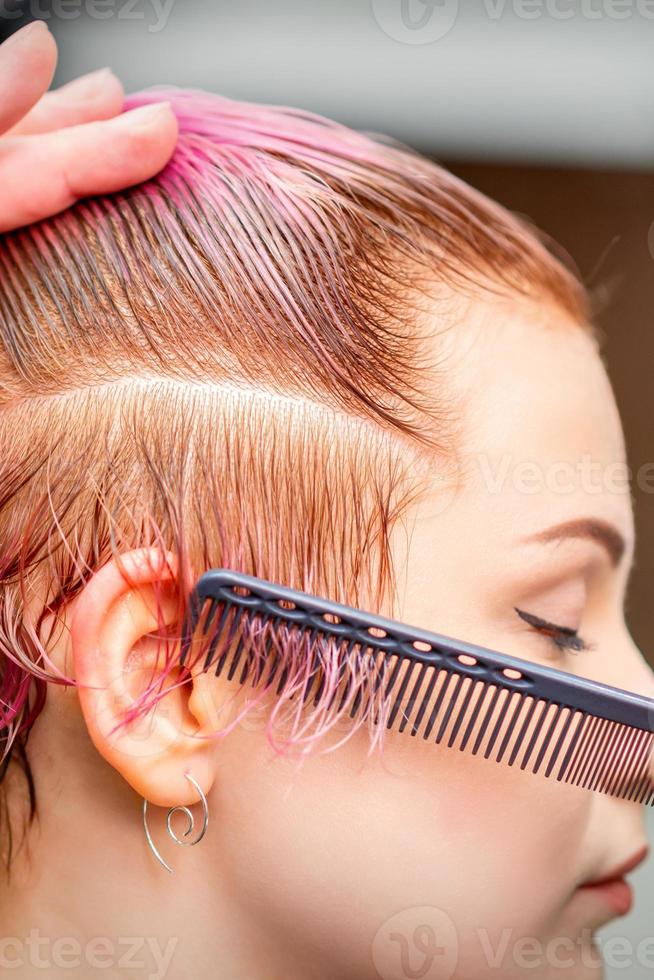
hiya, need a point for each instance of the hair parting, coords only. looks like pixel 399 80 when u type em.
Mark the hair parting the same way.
pixel 229 362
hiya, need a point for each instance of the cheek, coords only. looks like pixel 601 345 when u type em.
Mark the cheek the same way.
pixel 506 846
pixel 361 840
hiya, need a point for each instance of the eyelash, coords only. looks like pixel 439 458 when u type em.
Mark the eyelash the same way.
pixel 563 637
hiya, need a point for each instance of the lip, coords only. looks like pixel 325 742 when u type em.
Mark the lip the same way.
pixel 616 893
pixel 612 888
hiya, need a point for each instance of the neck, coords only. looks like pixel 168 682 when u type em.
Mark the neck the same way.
pixel 85 892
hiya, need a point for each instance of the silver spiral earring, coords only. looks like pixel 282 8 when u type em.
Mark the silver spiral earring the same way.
pixel 171 833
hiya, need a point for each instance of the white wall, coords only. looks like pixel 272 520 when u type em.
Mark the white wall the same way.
pixel 550 80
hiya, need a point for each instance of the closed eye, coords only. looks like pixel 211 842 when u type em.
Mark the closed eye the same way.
pixel 564 637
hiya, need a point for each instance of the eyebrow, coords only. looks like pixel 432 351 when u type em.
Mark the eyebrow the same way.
pixel 592 528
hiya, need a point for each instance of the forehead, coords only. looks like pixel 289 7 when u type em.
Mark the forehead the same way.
pixel 540 437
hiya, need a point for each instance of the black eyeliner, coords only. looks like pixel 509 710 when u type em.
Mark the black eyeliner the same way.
pixel 564 637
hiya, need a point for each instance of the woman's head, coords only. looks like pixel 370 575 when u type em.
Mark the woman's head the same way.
pixel 316 357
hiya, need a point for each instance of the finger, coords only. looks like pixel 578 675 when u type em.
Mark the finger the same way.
pixel 43 174
pixel 97 95
pixel 27 62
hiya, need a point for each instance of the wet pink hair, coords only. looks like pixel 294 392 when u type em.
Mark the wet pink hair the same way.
pixel 229 361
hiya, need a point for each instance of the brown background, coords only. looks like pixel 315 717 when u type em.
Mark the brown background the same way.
pixel 603 219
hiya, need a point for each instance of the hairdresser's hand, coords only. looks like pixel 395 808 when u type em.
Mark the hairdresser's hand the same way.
pixel 59 146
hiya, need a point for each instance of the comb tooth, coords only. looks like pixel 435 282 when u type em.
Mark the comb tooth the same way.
pixel 517 745
pixel 342 666
pixel 341 672
pixel 282 679
pixel 283 676
pixel 556 714
pixel 616 761
pixel 274 659
pixel 498 724
pixel 194 612
pixel 606 740
pixel 450 708
pixel 607 735
pixel 483 690
pixel 585 761
pixel 247 642
pixel 635 771
pixel 487 717
pixel 394 674
pixel 371 653
pixel 413 697
pixel 461 713
pixel 643 773
pixel 216 636
pixel 535 733
pixel 574 743
pixel 379 688
pixel 189 625
pixel 311 637
pixel 233 625
pixel 239 648
pixel 510 728
pixel 411 665
pixel 647 793
pixel 435 672
pixel 636 755
pixel 210 615
pixel 380 673
pixel 559 742
pixel 641 768
pixel 645 787
pixel 607 755
pixel 266 635
pixel 437 703
pixel 579 751
pixel 631 758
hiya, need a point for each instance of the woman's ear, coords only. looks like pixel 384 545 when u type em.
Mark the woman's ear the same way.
pixel 117 653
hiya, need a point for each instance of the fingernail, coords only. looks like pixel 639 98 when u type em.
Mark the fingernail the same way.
pixel 145 116
pixel 26 33
pixel 91 83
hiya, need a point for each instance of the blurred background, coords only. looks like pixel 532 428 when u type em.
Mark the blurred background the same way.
pixel 545 105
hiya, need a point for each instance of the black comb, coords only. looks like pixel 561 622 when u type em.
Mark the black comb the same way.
pixel 457 694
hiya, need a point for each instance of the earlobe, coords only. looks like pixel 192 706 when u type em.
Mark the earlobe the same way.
pixel 118 654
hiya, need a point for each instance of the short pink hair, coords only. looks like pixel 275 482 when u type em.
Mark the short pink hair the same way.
pixel 227 361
